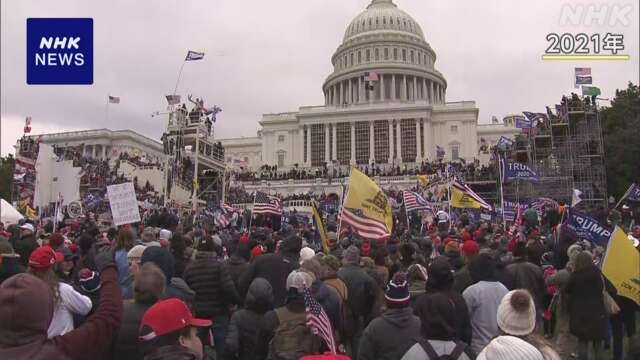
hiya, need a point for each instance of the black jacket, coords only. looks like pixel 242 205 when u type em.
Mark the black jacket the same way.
pixel 362 290
pixel 24 247
pixel 245 338
pixel 212 284
pixel 172 352
pixel 587 317
pixel 236 266
pixel 444 316
pixel 525 275
pixel 9 267
pixel 390 335
pixel 275 269
pixel 126 344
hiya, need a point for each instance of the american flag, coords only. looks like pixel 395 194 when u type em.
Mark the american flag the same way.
pixel 318 321
pixel 220 219
pixel 413 201
pixel 266 204
pixel 363 226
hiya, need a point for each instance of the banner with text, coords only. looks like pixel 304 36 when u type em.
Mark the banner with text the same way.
pixel 123 202
pixel 586 228
pixel 512 170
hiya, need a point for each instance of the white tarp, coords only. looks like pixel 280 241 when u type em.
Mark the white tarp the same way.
pixel 8 214
pixel 123 202
pixel 55 178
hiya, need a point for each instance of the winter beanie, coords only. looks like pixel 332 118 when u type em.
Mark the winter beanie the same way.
pixel 517 313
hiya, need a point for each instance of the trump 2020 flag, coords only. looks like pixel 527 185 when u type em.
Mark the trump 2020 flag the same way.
pixel 621 265
pixel 194 55
pixel 512 170
pixel 585 227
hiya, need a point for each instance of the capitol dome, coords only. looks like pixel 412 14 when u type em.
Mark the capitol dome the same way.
pixel 383 15
pixel 388 44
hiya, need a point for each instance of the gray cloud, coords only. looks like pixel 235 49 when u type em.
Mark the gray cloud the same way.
pixel 272 56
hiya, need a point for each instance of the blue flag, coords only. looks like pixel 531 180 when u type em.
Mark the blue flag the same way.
pixel 524 122
pixel 504 143
pixel 586 228
pixel 512 170
pixel 634 193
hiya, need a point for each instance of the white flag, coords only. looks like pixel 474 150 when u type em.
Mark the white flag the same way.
pixel 575 198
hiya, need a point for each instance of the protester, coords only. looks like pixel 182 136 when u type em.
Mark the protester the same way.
pixel 483 299
pixel 133 257
pixel 214 290
pixel 517 317
pixel 443 312
pixel 244 339
pixel 392 334
pixel 10 263
pixel 587 315
pixel 27 243
pixel 176 287
pixel 148 287
pixel 285 327
pixel 168 330
pixel 25 336
pixel 362 290
pixel 275 268
pixel 67 301
pixel 124 243
pixel 522 274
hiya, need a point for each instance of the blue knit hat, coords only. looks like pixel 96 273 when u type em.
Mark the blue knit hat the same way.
pixel 397 294
pixel 89 280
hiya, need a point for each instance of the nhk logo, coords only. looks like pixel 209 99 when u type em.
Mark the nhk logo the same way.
pixel 59 51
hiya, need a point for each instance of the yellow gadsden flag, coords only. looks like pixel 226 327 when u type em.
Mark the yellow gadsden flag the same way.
pixel 423 180
pixel 367 198
pixel 621 265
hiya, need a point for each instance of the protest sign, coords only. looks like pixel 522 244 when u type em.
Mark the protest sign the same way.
pixel 123 202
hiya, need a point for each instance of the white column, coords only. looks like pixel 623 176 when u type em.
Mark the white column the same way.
pixel 372 146
pixel 393 86
pixel 353 143
pixel 424 88
pixel 341 93
pixel 415 88
pixel 94 153
pixel 399 139
pixel 104 151
pixel 390 141
pixel 334 142
pixel 418 145
pixel 443 97
pixel 350 96
pixel 359 89
pixel 431 93
pixel 326 143
pixel 308 145
pixel 301 148
pixel 403 91
pixel 382 87
pixel 428 145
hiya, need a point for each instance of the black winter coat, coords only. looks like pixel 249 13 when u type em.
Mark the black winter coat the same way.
pixel 236 266
pixel 213 286
pixel 587 317
pixel 525 275
pixel 362 290
pixel 127 345
pixel 436 325
pixel 275 269
pixel 10 266
pixel 389 336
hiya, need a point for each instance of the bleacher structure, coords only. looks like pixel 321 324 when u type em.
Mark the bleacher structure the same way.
pixel 567 152
pixel 189 135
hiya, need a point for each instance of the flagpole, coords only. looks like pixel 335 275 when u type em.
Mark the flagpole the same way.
pixel 175 89
pixel 504 222
pixel 406 213
pixel 107 110
pixel 251 218
pixel 344 196
pixel 624 196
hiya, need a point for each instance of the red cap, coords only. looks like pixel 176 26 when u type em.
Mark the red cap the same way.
pixel 44 257
pixel 466 236
pixel 470 247
pixel 256 251
pixel 244 238
pixel 167 316
pixel 56 240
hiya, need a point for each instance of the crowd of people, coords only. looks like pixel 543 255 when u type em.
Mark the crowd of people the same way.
pixel 172 287
pixel 471 171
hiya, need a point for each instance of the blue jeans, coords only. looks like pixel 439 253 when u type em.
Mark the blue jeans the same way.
pixel 219 330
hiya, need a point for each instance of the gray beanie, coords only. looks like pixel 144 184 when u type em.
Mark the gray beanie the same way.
pixel 351 256
pixel 509 348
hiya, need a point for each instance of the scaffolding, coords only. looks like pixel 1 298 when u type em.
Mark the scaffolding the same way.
pixel 567 152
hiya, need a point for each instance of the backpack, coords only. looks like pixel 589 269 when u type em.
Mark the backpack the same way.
pixel 431 353
pixel 292 339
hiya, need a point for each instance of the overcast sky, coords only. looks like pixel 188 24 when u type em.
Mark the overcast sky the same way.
pixel 273 56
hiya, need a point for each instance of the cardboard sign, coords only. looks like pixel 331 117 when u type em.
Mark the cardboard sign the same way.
pixel 123 202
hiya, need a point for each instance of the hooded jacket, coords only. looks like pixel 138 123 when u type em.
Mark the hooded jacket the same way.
pixel 390 335
pixel 26 309
pixel 214 288
pixel 236 265
pixel 164 260
pixel 244 338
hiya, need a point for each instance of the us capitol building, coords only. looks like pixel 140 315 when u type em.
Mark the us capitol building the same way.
pixel 385 102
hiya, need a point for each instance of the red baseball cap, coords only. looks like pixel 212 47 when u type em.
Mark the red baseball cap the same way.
pixel 470 247
pixel 167 316
pixel 44 257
